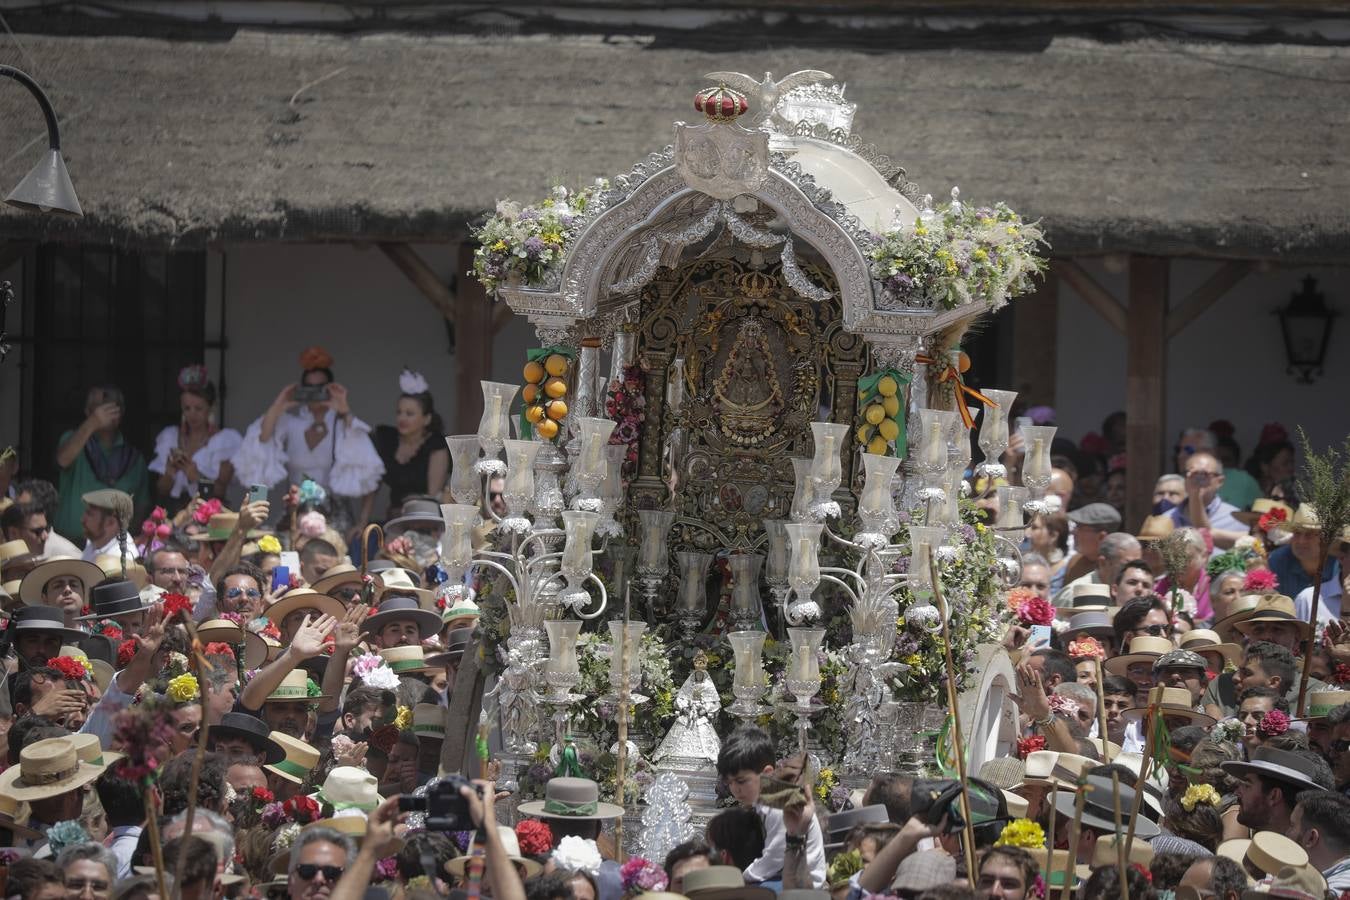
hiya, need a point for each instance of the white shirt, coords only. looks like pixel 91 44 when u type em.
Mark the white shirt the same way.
pixel 219 448
pixel 769 867
pixel 123 846
pixel 111 548
pixel 1329 604
pixel 344 461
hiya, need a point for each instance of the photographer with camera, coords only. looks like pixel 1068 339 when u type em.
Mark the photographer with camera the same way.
pixel 455 797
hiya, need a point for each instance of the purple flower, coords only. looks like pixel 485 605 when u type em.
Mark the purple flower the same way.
pixel 906 645
pixel 901 566
pixel 533 247
pixel 968 533
pixel 539 773
pixel 528 214
pixel 900 283
pixel 462 839
pixel 566 220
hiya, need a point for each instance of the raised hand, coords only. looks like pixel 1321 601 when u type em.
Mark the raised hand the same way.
pixel 1032 699
pixel 59 704
pixel 337 399
pixel 348 632
pixel 380 828
pixel 105 416
pixel 251 515
pixel 152 630
pixel 350 754
pixel 309 637
pixel 285 398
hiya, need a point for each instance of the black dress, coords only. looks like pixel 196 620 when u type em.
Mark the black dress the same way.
pixel 404 479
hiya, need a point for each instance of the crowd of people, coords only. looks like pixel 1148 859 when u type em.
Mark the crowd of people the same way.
pixel 1173 683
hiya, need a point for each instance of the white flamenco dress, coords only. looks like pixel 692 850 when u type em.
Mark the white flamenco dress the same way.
pixel 219 448
pixel 344 462
pixel 692 737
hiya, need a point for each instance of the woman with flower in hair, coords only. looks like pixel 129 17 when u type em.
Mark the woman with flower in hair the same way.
pixel 309 432
pixel 195 452
pixel 416 461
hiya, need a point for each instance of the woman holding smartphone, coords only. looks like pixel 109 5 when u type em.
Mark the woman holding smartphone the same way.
pixel 309 432
pixel 194 457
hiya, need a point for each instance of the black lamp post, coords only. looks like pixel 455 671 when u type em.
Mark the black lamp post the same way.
pixel 46 188
pixel 1306 325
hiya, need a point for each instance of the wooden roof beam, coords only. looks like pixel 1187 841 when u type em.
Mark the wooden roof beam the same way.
pixel 422 276
pixel 1094 295
pixel 1224 279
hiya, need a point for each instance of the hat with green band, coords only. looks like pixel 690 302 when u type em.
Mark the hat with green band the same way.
pixel 429 720
pixel 571 798
pixel 300 759
pixel 408 660
pixel 294 686
pixel 349 787
pixel 89 749
pixel 1321 703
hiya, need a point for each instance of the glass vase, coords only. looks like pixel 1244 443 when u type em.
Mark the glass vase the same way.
pixel 465 484
pixel 457 541
pixel 745 599
pixel 495 425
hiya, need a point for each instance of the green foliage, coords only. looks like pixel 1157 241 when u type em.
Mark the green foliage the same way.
pixel 1325 483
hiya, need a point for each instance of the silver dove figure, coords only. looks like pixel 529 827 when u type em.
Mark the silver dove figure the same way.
pixel 765 95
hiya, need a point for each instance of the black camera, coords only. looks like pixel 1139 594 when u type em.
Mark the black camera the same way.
pixel 444 807
pixel 310 393
pixel 930 800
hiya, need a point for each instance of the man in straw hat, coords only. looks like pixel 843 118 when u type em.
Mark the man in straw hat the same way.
pixel 51 778
pixel 1322 705
pixel 1269 785
pixel 64 583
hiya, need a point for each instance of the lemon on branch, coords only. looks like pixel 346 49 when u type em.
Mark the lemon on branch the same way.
pixel 534 414
pixel 547 429
pixel 529 393
pixel 888 429
pixel 877 445
pixel 864 434
pixel 556 409
pixel 892 405
pixel 887 386
pixel 874 414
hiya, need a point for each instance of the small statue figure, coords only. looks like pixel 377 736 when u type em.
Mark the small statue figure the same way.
pixel 693 736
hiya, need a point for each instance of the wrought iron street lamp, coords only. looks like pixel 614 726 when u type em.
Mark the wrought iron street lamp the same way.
pixel 46 188
pixel 1306 325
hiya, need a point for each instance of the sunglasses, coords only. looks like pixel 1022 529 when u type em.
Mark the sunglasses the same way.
pixel 307 871
pixel 235 593
pixel 1155 630
pixel 79 884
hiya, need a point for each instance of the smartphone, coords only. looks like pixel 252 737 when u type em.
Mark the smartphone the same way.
pixel 257 493
pixel 281 577
pixel 310 393
pixel 1039 638
pixel 291 560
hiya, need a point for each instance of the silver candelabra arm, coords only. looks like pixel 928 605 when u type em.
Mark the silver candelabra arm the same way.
pixel 493 564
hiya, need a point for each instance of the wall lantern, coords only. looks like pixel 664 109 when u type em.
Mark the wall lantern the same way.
pixel 46 188
pixel 1306 324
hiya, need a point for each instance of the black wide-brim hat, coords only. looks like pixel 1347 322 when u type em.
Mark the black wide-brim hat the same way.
pixel 251 729
pixel 49 619
pixel 112 599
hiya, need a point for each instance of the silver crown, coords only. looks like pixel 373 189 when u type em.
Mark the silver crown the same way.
pixel 818 105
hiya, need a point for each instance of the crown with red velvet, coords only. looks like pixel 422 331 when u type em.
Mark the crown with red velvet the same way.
pixel 720 104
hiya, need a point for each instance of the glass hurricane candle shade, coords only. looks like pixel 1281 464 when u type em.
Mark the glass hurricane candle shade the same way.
pixel 465 485
pixel 826 468
pixel 595 434
pixel 562 646
pixel 693 597
pixel 518 490
pixel 611 489
pixel 745 601
pixel 951 506
pixel 675 387
pixel 803 666
pixel 457 541
pixel 802 492
pixel 579 529
pixel 1036 463
pixel 935 427
pixel 921 540
pixel 1010 500
pixel 747 648
pixel 994 428
pixel 804 557
pixel 625 639
pixel 495 424
pixel 776 569
pixel 876 504
pixel 654 552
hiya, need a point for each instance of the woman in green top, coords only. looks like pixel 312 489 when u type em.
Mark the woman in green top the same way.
pixel 95 456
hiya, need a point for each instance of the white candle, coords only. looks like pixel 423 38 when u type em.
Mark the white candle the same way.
pixel 803 561
pixel 1037 462
pixel 495 426
pixel 935 447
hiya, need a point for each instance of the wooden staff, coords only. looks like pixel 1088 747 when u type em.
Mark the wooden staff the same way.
pixel 1149 750
pixel 621 763
pixel 1115 777
pixel 968 839
pixel 1050 841
pixel 1323 548
pixel 200 664
pixel 1066 890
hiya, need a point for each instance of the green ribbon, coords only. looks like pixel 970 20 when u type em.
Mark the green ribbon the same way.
pixel 1162 740
pixel 569 763
pixel 350 804
pixel 867 392
pixel 480 744
pixel 294 769
pixel 537 355
pixel 946 758
pixel 563 808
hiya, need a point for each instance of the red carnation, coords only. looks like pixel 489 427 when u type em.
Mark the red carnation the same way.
pixel 1270 519
pixel 219 647
pixel 1273 723
pixel 1027 746
pixel 1036 612
pixel 70 668
pixel 301 809
pixel 1260 581
pixel 175 604
pixel 262 795
pixel 271 630
pixel 534 836
pixel 109 630
pixel 125 651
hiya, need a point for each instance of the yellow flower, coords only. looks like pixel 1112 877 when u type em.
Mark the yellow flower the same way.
pixel 551 237
pixel 913 660
pixel 1199 793
pixel 268 543
pixel 183 689
pixel 499 246
pixel 403 721
pixel 919 229
pixel 1022 833
pixel 980 529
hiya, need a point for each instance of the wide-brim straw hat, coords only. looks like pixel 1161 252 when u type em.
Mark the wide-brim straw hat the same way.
pixel 1291 883
pixel 1096 623
pixel 1146 648
pixel 1239 611
pixel 1155 528
pixel 111 567
pixel 406 660
pixel 294 686
pixel 722 883
pixel 1050 768
pixel 1105 854
pixel 571 798
pixel 1205 640
pixel 1271 851
pixel 1304 519
pixel 397 582
pixel 1086 598
pixel 340 574
pixel 1261 506
pixel 48 768
pixel 1056 867
pixel 1171 702
pixel 511 846
pixel 1275 608
pixel 220 631
pixel 349 787
pixel 303 598
pixel 259 650
pixel 30 589
pixel 1321 704
pixel 300 759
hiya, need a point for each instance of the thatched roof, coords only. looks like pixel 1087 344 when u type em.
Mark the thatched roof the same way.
pixel 1145 147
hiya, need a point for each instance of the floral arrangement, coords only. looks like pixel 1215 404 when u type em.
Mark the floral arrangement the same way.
pixel 261 796
pixel 1022 833
pixel 269 544
pixel 403 720
pixel 596 720
pixel 301 809
pixel 109 629
pixel 1273 723
pixel 204 511
pixel 371 669
pixel 843 867
pixel 1035 611
pixel 1017 596
pixel 1227 731
pixel 576 854
pixel 183 689
pixel 1199 793
pixel 1275 518
pixel 1086 648
pixel 71 668
pixel 125 651
pixel 625 403
pixel 66 834
pixel 218 648
pixel 142 731
pixel 526 243
pixel 640 875
pixel 826 782
pixel 386 869
pixel 534 836
pixel 1029 745
pixel 958 255
pixel 154 531
pixel 174 605
pixel 1341 676
pixel 1260 581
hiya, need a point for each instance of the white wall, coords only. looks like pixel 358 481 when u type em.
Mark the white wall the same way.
pixel 282 298
pixel 1227 364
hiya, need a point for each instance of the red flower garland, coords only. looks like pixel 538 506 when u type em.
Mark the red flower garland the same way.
pixel 70 668
pixel 219 648
pixel 175 604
